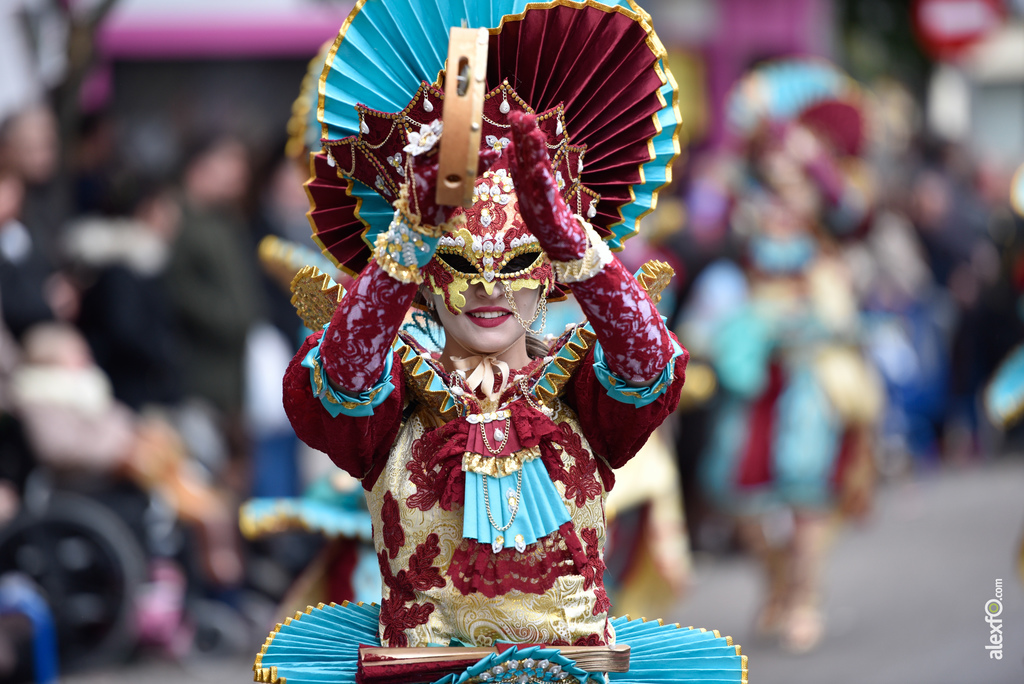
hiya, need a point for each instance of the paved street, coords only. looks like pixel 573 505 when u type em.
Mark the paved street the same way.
pixel 905 595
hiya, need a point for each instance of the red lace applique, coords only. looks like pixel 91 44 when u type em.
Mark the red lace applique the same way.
pixel 476 568
pixel 532 426
pixel 436 467
pixel 580 480
pixel 593 571
pixel 590 640
pixel 552 459
pixel 395 615
pixel 391 525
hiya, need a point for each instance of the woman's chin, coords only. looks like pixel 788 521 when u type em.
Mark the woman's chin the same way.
pixel 489 340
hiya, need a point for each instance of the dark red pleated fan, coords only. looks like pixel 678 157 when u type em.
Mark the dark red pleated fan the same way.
pixel 600 66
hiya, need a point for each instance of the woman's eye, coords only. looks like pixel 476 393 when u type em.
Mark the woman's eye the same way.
pixel 521 262
pixel 459 263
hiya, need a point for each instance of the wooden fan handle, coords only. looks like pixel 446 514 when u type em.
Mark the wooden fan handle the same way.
pixel 465 76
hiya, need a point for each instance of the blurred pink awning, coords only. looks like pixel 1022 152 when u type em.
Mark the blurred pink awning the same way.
pixel 219 29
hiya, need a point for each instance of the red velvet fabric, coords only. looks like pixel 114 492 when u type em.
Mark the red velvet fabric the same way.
pixel 359 446
pixel 343 558
pixel 617 431
pixel 755 464
pixel 401 672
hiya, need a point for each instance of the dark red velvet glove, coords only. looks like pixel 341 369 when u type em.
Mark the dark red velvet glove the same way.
pixel 540 203
pixel 364 325
pixel 636 343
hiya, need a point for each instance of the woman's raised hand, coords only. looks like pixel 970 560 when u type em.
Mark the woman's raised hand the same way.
pixel 540 203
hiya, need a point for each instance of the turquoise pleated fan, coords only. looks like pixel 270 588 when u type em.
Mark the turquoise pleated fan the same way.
pixel 321 645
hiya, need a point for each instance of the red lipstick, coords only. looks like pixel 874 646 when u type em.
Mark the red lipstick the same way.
pixel 492 321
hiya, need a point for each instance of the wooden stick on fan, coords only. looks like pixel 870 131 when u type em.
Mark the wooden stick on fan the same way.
pixel 465 76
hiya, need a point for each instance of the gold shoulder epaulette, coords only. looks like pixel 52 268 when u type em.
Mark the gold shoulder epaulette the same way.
pixel 315 296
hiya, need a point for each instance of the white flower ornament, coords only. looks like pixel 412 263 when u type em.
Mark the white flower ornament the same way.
pixel 425 140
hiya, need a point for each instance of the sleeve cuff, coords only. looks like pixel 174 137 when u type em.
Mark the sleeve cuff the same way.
pixel 336 402
pixel 639 397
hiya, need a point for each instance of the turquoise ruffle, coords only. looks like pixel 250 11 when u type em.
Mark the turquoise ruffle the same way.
pixel 540 513
pixel 336 402
pixel 639 397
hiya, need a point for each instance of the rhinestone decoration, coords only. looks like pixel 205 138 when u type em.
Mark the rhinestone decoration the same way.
pixel 496 143
pixel 396 161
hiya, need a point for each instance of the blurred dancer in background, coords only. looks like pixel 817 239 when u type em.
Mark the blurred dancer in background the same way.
pixel 791 439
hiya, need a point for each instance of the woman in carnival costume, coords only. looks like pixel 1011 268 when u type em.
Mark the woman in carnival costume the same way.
pixel 486 465
pixel 791 438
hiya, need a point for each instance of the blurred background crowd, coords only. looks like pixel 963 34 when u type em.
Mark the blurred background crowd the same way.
pixel 143 158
